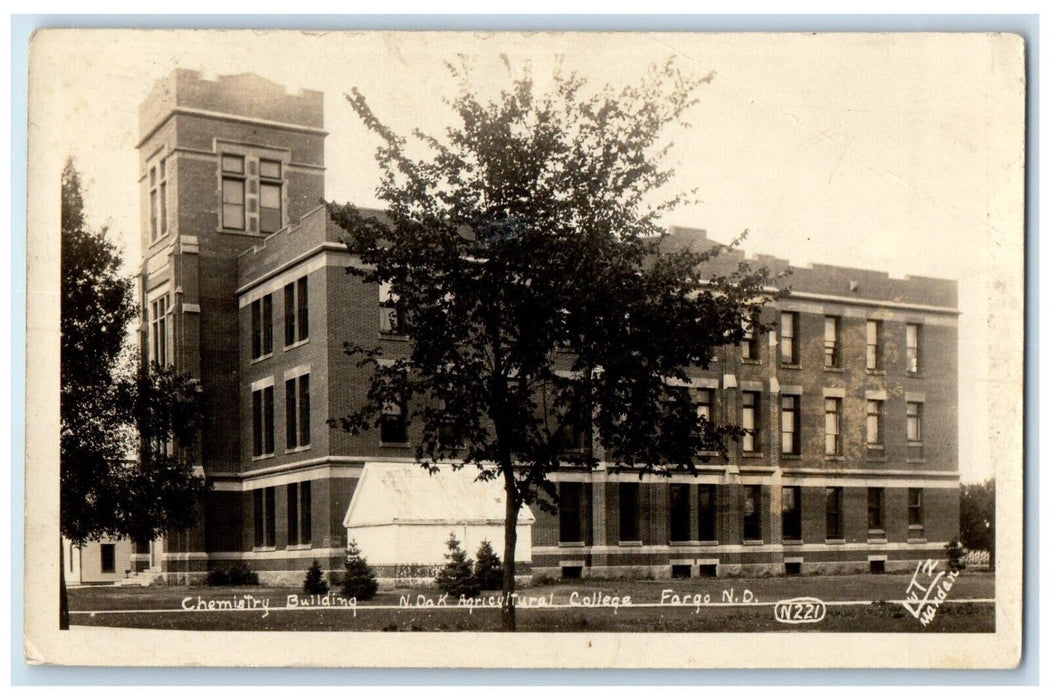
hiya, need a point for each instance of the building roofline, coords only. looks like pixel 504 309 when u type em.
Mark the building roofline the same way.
pixel 224 116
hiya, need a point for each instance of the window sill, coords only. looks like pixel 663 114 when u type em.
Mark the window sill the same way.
pixel 300 547
pixel 915 375
pixel 757 363
pixel 256 458
pixel 708 543
pixel 260 358
pixel 300 448
pixel 396 337
pixel 751 455
pixel 753 543
pixel 630 543
pixel 877 540
pixel 837 370
pixel 835 540
pixel 834 458
pixel 682 543
pixel 792 542
pixel 571 544
pixel 790 365
pixel 264 549
pixel 791 457
pixel 296 344
pixel 916 540
pixel 876 372
pixel 395 444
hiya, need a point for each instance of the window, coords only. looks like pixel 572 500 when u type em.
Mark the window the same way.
pixel 296 312
pixel 873 360
pixel 749 345
pixel 297 411
pixel 831 341
pixel 391 311
pixel 570 497
pixel 109 558
pixel 262 327
pixel 790 439
pixel 163 196
pixel 707 510
pixel 874 423
pixel 752 512
pixel 629 512
pixel 792 512
pixel 876 497
pixel 160 331
pixel 262 422
pixel 833 503
pixel 263 501
pixel 915 515
pixel 832 426
pixel 233 192
pixel 913 341
pixel 299 514
pixel 680 519
pixel 393 425
pixel 153 215
pixel 914 411
pixel 749 421
pixel 158 200
pixel 788 334
pixel 704 403
pixel 270 218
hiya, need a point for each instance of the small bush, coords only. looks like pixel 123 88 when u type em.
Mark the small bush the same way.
pixel 488 569
pixel 237 575
pixel 956 555
pixel 314 582
pixel 360 581
pixel 457 577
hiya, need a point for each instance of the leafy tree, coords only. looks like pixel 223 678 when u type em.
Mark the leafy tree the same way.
pixel 457 576
pixel 314 581
pixel 977 517
pixel 488 569
pixel 549 321
pixel 127 434
pixel 360 581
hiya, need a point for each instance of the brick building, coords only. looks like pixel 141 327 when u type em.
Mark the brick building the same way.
pixel 852 402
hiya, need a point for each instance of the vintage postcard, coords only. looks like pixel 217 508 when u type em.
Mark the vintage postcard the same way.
pixel 674 350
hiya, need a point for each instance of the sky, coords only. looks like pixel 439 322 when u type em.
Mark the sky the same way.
pixel 899 152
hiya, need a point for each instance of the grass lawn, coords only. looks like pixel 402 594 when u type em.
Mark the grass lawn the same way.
pixel 714 605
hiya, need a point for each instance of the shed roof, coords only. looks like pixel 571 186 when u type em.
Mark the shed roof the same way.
pixel 400 493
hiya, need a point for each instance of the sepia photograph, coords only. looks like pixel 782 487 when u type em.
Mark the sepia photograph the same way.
pixel 656 350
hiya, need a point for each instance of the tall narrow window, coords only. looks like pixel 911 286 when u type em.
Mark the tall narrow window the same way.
pixel 704 404
pixel 874 423
pixel 790 438
pixel 831 342
pixel 299 514
pixel 752 512
pixel 873 359
pixel 160 331
pixel 270 217
pixel 297 411
pixel 915 514
pixel 832 426
pixel 749 421
pixel 833 503
pixel 914 410
pixel 876 519
pixel 679 496
pixel 163 196
pixel 391 312
pixel 749 345
pixel 791 498
pixel 264 507
pixel 233 192
pixel 154 205
pixel 707 510
pixel 296 312
pixel 262 327
pixel 393 426
pixel 788 334
pixel 913 340
pixel 629 512
pixel 570 497
pixel 262 422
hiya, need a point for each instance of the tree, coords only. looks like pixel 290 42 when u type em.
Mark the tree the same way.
pixel 549 322
pixel 457 576
pixel 360 581
pixel 488 569
pixel 314 581
pixel 977 518
pixel 127 433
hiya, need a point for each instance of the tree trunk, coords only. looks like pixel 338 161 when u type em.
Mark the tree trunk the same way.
pixel 510 542
pixel 63 601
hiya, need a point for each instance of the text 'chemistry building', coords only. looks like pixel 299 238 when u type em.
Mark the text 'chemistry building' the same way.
pixel 850 462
